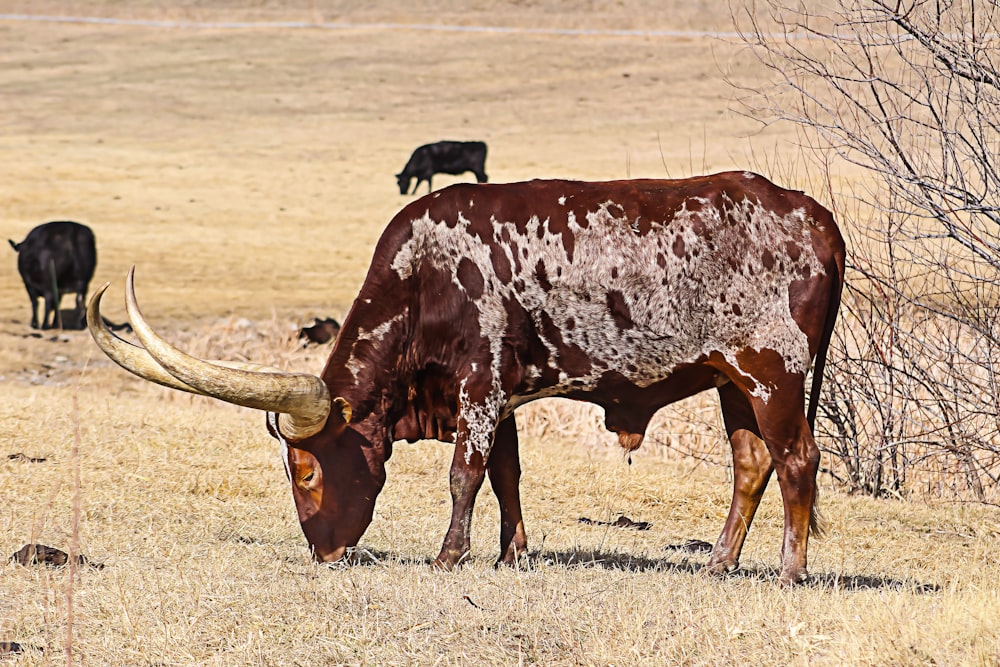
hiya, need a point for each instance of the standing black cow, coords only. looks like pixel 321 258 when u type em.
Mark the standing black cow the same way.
pixel 56 258
pixel 444 157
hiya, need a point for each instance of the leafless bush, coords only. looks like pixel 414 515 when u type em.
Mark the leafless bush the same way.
pixel 909 91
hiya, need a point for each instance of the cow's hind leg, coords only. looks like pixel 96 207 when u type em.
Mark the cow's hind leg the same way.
pixel 751 472
pixel 504 470
pixel 80 311
pixel 795 458
pixel 34 296
pixel 50 318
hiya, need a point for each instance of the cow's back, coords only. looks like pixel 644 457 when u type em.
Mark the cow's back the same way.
pixel 68 247
pixel 640 276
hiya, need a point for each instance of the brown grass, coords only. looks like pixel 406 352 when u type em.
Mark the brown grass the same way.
pixel 247 173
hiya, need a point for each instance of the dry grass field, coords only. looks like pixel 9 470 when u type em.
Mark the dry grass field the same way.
pixel 247 172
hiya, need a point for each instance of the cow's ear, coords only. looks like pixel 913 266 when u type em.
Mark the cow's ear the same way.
pixel 341 410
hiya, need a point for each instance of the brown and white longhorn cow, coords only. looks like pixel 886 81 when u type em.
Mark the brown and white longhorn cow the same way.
pixel 480 298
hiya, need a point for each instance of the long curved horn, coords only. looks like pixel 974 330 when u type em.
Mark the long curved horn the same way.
pixel 129 356
pixel 136 360
pixel 302 399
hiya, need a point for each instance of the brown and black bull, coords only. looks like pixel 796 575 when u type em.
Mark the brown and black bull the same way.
pixel 628 294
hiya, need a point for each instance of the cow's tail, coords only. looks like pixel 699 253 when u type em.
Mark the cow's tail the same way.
pixel 57 315
pixel 824 343
pixel 816 524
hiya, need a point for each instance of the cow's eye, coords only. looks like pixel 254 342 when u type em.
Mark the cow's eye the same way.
pixel 309 478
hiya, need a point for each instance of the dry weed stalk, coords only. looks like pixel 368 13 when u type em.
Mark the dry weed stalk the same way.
pixel 74 544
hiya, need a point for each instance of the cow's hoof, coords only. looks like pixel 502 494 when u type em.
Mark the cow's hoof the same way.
pixel 448 561
pixel 519 562
pixel 720 568
pixel 794 578
pixel 439 565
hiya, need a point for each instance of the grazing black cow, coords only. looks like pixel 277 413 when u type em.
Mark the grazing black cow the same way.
pixel 444 157
pixel 56 258
pixel 321 331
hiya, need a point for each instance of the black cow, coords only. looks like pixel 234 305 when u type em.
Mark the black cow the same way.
pixel 444 157
pixel 320 332
pixel 56 258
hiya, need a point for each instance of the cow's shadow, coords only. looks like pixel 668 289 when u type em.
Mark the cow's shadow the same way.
pixel 576 558
pixel 823 581
pixel 73 320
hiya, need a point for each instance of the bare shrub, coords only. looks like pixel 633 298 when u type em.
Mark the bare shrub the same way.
pixel 909 91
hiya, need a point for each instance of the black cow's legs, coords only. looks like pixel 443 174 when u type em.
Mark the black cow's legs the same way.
pixel 504 469
pixel 34 308
pixel 80 314
pixel 50 319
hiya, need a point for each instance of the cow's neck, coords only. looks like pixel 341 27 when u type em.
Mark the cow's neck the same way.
pixel 367 352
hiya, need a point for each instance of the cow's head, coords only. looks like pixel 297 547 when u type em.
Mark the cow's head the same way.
pixel 335 475
pixel 334 469
pixel 403 179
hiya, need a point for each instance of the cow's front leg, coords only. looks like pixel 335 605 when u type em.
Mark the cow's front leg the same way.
pixel 504 469
pixel 478 411
pixel 468 469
